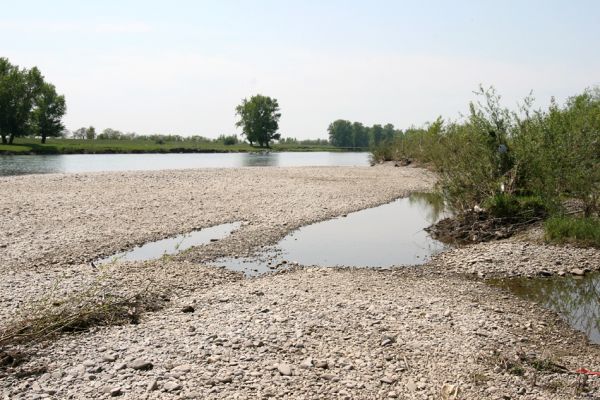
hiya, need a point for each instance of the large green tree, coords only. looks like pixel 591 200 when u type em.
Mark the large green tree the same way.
pixel 49 110
pixel 341 133
pixel 376 134
pixel 259 119
pixel 360 135
pixel 19 89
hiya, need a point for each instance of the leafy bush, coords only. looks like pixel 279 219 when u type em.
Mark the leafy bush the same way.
pixel 583 231
pixel 228 140
pixel 514 163
pixel 516 208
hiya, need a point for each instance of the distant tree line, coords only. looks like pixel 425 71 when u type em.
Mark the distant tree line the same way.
pixel 343 133
pixel 304 142
pixel 28 104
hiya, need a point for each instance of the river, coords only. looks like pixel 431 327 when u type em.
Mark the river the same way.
pixel 72 163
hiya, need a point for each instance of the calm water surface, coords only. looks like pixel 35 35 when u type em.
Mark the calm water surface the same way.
pixel 173 245
pixel 384 236
pixel 576 299
pixel 388 235
pixel 43 164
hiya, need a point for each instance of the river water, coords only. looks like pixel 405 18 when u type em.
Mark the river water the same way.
pixel 43 164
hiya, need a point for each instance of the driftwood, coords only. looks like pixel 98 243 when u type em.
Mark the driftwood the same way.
pixel 474 227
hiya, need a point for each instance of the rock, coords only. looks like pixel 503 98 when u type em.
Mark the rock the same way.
pixel 188 309
pixel 577 272
pixel 109 358
pixel 120 366
pixel 183 368
pixel 322 364
pixel 172 386
pixel 117 391
pixel 141 365
pixel 449 392
pixel 392 395
pixel 225 379
pixel 88 363
pixel 308 363
pixel 388 340
pixel 284 369
pixel 411 385
pixel 152 385
pixel 387 379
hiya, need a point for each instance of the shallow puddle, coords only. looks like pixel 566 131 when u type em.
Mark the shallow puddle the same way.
pixel 173 245
pixel 576 299
pixel 384 236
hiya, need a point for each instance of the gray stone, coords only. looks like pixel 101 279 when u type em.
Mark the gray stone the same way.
pixel 172 386
pixel 308 363
pixel 141 365
pixel 152 385
pixel 284 369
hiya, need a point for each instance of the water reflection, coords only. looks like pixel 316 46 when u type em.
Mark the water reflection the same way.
pixel 384 236
pixel 173 245
pixel 434 205
pixel 576 299
pixel 19 165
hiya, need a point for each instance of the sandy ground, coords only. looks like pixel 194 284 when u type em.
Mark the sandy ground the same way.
pixel 429 332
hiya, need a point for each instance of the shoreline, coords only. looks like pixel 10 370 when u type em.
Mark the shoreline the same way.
pixel 406 332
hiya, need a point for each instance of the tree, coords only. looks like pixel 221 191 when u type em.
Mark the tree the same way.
pixel 90 133
pixel 388 132
pixel 360 135
pixel 18 91
pixel 376 134
pixel 80 133
pixel 340 133
pixel 259 119
pixel 49 110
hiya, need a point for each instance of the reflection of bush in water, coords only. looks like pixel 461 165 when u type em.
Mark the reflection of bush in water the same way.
pixel 433 203
pixel 576 299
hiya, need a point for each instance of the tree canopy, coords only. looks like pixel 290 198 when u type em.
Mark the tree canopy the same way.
pixel 259 119
pixel 343 133
pixel 28 104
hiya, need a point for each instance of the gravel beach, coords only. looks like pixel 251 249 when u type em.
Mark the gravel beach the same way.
pixel 432 332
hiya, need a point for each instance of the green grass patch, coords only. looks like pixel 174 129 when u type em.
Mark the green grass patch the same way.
pixel 580 231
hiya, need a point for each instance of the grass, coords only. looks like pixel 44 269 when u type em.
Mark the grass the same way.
pixel 84 146
pixel 102 303
pixel 580 231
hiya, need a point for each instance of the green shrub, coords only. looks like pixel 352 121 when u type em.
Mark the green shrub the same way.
pixel 495 154
pixel 228 140
pixel 516 208
pixel 582 231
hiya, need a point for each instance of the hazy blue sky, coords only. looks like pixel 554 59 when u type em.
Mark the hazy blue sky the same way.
pixel 183 66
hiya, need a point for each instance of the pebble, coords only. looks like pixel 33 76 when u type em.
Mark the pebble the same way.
pixel 141 365
pixel 172 386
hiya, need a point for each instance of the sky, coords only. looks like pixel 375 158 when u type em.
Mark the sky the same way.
pixel 181 67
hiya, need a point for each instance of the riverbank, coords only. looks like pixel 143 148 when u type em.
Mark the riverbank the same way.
pixel 23 146
pixel 408 332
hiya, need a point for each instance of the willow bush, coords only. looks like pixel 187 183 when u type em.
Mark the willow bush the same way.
pixel 532 159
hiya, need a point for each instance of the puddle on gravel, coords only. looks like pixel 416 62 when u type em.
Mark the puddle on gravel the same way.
pixel 384 236
pixel 173 245
pixel 576 299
